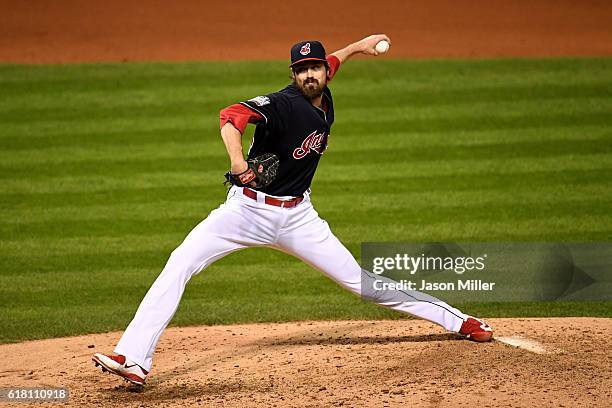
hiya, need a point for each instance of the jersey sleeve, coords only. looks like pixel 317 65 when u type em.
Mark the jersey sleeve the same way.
pixel 334 65
pixel 272 107
pixel 239 116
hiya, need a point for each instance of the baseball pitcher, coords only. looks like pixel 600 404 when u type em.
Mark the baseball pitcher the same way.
pixel 268 204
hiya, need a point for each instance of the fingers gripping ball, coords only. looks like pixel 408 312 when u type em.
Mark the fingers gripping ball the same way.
pixel 382 47
pixel 261 172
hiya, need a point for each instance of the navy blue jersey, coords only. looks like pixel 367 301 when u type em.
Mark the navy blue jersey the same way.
pixel 296 131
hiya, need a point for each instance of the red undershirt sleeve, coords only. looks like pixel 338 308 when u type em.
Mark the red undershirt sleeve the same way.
pixel 239 116
pixel 334 65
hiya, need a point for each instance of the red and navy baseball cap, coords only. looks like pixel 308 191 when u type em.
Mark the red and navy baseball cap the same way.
pixel 307 51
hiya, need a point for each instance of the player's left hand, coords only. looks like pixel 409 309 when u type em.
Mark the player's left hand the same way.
pixel 261 171
pixel 368 45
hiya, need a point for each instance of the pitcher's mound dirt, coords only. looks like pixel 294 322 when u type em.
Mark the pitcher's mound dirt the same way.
pixel 354 363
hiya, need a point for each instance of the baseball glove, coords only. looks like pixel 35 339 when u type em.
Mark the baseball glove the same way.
pixel 261 172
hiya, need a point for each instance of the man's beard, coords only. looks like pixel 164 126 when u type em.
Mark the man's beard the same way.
pixel 311 89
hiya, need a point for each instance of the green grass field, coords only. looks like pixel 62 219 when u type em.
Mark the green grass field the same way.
pixel 105 169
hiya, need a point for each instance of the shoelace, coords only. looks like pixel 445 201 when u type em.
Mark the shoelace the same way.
pixel 471 326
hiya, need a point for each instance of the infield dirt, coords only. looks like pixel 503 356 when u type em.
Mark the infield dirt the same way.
pixel 40 31
pixel 343 363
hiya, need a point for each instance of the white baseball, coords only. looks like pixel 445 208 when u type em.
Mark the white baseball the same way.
pixel 382 47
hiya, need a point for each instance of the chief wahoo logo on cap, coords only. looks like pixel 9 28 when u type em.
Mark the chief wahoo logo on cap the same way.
pixel 305 50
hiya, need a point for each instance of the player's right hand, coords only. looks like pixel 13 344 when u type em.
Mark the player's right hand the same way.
pixel 368 45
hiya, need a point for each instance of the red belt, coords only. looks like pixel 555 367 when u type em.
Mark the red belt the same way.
pixel 273 201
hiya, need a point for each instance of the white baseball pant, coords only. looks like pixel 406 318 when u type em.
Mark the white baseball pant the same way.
pixel 243 222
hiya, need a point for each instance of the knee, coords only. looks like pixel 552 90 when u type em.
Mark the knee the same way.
pixel 185 262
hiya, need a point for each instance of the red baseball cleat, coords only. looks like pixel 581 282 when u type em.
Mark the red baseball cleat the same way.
pixel 121 366
pixel 476 330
